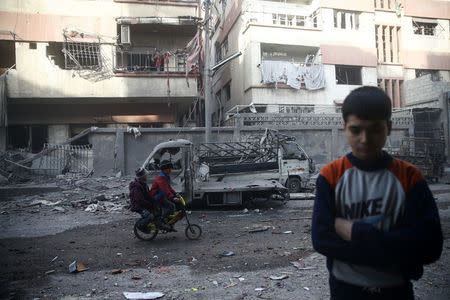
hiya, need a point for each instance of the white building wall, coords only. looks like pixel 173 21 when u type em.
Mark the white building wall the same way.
pixel 411 41
pixel 38 77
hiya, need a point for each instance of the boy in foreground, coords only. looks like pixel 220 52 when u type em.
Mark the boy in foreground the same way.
pixel 374 216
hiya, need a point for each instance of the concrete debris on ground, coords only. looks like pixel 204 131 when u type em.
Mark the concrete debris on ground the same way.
pixel 227 253
pixel 77 267
pixel 69 192
pixel 144 296
pixel 281 277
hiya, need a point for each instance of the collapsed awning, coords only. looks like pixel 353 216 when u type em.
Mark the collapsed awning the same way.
pixel 182 20
pixel 424 20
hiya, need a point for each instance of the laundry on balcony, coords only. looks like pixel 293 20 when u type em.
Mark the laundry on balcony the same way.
pixel 149 61
pixel 311 77
pixel 194 55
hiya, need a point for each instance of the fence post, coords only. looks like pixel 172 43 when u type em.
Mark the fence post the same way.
pixel 238 126
pixel 334 139
pixel 119 151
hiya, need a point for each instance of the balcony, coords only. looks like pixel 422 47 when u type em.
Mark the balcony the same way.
pixel 149 62
pixel 160 2
pixel 148 48
pixel 292 14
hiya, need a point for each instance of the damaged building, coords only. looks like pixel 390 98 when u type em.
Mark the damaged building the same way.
pixel 70 65
pixel 303 56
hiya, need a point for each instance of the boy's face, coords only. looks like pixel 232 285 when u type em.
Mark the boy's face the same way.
pixel 167 171
pixel 366 137
pixel 143 178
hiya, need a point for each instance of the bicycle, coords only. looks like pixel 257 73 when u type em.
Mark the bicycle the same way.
pixel 192 231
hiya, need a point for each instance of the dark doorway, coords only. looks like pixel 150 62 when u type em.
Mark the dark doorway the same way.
pixel 28 137
pixel 39 136
pixel 18 137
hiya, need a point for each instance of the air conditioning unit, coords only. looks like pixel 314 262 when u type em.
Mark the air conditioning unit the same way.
pixel 125 34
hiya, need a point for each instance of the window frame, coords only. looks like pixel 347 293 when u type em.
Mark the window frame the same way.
pixel 357 80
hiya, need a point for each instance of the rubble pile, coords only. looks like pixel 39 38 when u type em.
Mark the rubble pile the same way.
pixel 74 192
pixel 11 173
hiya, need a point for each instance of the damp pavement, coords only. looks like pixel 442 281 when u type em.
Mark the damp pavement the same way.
pixel 39 241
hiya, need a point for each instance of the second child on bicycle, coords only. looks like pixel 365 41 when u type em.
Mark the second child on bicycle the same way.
pixel 162 192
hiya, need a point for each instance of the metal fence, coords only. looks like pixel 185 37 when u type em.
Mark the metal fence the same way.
pixel 63 159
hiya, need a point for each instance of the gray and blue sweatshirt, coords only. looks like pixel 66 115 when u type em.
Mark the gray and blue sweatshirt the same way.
pixel 396 226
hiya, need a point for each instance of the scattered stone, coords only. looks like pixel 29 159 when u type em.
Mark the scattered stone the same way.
pixel 227 253
pixel 231 285
pixel 281 277
pixel 91 208
pixel 259 229
pixel 75 267
pixel 145 296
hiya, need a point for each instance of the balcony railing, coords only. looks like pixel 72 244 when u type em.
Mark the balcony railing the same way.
pixel 285 14
pixel 147 62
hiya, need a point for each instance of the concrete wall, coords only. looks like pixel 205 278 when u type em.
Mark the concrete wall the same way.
pixel 44 20
pixel 116 150
pixel 37 76
pixel 58 133
pixel 423 90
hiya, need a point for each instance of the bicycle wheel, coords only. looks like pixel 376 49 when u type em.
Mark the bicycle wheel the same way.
pixel 193 232
pixel 146 235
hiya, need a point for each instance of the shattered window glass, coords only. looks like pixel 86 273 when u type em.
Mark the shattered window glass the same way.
pixel 422 28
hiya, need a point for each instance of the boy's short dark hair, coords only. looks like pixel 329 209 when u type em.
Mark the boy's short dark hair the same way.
pixel 367 103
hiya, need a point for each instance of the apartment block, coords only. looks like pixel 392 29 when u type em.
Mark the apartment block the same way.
pixel 75 64
pixel 300 55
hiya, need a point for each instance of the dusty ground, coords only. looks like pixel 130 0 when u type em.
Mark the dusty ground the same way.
pixel 37 238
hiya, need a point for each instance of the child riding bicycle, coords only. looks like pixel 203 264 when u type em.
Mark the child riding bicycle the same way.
pixel 163 193
pixel 143 203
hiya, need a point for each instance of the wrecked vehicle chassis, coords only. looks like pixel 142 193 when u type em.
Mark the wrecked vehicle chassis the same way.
pixel 191 178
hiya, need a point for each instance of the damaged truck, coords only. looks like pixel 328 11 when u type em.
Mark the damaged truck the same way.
pixel 234 173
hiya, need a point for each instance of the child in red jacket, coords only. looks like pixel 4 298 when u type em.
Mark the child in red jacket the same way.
pixel 162 192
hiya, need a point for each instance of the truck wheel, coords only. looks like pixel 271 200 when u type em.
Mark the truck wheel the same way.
pixel 294 185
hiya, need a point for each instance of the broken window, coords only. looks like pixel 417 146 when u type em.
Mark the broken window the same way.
pixel 55 54
pixel 227 91
pixel 295 20
pixel 75 130
pixel 300 21
pixel 434 74
pixel 8 55
pixel 348 75
pixel 219 96
pixel 290 19
pixel 181 63
pixel 346 19
pixel 424 28
pixel 218 52
pixel 225 46
pixel 81 55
